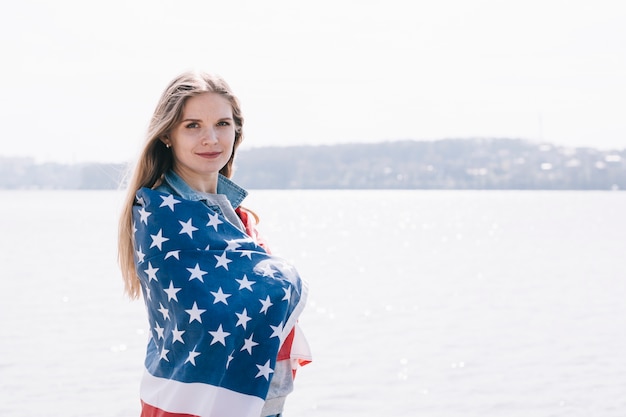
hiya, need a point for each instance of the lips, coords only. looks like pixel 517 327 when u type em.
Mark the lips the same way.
pixel 209 155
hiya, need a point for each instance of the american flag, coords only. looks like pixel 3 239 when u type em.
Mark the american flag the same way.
pixel 219 307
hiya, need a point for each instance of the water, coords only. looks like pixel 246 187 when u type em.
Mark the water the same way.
pixel 423 303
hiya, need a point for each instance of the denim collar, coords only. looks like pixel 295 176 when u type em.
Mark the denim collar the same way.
pixel 234 193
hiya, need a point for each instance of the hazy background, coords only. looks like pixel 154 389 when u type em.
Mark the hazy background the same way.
pixel 79 80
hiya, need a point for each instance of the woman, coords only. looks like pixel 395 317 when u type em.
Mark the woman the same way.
pixel 222 309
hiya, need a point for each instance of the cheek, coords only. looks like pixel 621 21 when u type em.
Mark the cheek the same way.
pixel 230 140
pixel 185 140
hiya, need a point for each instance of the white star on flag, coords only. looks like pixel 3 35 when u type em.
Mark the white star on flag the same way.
pixel 165 312
pixel 222 261
pixel 164 353
pixel 171 292
pixel 173 254
pixel 266 304
pixel 187 228
pixel 214 221
pixel 248 344
pixel 265 370
pixel 151 272
pixel 169 201
pixel 140 255
pixel 244 283
pixel 277 330
pixel 192 356
pixel 159 331
pixel 219 336
pixel 196 273
pixel 144 215
pixel 177 335
pixel 243 319
pixel 194 313
pixel 158 239
pixel 232 244
pixel 220 297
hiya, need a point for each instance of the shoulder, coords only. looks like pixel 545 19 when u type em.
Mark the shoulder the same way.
pixel 164 187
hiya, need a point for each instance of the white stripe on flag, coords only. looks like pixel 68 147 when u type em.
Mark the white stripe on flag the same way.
pixel 197 398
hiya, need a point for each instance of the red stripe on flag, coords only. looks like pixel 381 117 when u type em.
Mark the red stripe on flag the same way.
pixel 285 350
pixel 149 411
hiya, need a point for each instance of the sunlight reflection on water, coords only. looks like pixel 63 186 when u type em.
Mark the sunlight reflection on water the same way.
pixel 434 304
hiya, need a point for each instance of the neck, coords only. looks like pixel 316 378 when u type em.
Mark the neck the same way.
pixel 204 183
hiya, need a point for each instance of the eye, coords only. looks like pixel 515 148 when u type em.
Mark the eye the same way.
pixel 192 125
pixel 223 123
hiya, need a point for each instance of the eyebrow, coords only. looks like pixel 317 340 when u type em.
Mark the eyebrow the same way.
pixel 192 119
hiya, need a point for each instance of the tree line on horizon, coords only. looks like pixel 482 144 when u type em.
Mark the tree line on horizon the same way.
pixel 443 164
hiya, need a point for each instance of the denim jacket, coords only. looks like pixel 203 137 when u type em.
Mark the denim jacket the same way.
pixel 174 184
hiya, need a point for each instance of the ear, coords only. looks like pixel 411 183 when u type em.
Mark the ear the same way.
pixel 166 140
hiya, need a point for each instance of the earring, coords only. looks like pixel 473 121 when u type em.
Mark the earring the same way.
pixel 167 145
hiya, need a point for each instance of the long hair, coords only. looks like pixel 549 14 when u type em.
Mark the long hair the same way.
pixel 156 159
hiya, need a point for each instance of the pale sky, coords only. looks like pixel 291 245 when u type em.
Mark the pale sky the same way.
pixel 80 79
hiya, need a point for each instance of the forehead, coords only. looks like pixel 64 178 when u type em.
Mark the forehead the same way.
pixel 207 105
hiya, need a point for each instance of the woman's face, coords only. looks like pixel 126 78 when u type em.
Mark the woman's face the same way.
pixel 202 142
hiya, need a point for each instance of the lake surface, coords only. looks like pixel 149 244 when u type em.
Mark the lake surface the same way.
pixel 423 303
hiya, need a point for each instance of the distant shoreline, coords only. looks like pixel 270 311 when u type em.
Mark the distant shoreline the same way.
pixel 459 164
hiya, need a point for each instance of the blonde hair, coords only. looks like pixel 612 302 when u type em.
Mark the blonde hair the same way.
pixel 156 159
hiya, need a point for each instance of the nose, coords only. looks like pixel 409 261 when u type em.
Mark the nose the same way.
pixel 209 136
